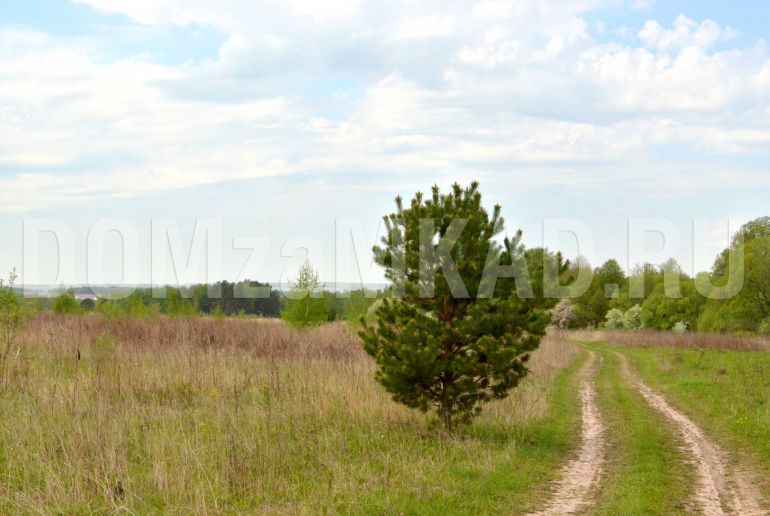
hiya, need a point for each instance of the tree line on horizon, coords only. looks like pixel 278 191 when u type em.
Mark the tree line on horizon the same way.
pixel 662 307
pixel 308 303
pixel 606 303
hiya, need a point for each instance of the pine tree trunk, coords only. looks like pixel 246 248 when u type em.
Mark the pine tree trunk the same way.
pixel 446 417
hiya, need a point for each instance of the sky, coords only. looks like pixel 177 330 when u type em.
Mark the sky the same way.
pixel 288 122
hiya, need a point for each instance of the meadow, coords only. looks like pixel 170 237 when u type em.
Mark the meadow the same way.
pixel 180 415
pixel 726 392
pixel 204 415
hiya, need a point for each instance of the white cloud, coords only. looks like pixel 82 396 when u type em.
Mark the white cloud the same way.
pixel 685 32
pixel 492 89
pixel 643 5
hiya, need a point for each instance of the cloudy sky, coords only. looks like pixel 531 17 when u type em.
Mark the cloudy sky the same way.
pixel 279 118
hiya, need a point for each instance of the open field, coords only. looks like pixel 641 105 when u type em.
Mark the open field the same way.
pixel 668 339
pixel 180 415
pixel 203 415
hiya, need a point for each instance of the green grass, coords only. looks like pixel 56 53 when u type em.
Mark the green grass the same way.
pixel 516 481
pixel 645 473
pixel 727 393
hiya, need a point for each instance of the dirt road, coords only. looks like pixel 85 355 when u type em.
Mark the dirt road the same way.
pixel 575 489
pixel 721 489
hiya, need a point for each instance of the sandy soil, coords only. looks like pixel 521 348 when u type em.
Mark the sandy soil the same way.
pixel 575 489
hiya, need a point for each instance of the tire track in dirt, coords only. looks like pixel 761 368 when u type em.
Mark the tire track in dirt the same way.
pixel 721 489
pixel 575 490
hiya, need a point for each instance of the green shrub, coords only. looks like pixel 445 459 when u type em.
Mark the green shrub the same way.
pixel 632 319
pixel 680 327
pixel 66 304
pixel 615 319
pixel 764 327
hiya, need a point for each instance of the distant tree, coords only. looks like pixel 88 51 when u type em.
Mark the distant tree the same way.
pixel 87 304
pixel 632 319
pixel 643 278
pixel 175 305
pixel 539 263
pixel 249 297
pixel 451 342
pixel 749 304
pixel 757 229
pixel 106 307
pixel 140 304
pixel 716 317
pixel 305 303
pixel 334 304
pixel 615 319
pixel 606 284
pixel 562 314
pixel 65 304
pixel 662 310
pixel 202 301
pixel 357 305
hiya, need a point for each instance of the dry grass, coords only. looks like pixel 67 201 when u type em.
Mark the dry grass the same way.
pixel 667 339
pixel 209 416
pixel 259 337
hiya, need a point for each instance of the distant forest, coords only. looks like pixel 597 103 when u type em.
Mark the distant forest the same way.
pixel 223 298
pixel 743 307
pixel 609 302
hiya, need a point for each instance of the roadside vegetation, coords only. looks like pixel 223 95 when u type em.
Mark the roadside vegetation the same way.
pixel 726 392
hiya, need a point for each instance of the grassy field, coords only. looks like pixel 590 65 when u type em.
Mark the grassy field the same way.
pixel 721 382
pixel 208 416
pixel 726 392
pixel 674 340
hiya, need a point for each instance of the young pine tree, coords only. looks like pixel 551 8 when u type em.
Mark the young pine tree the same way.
pixel 463 316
